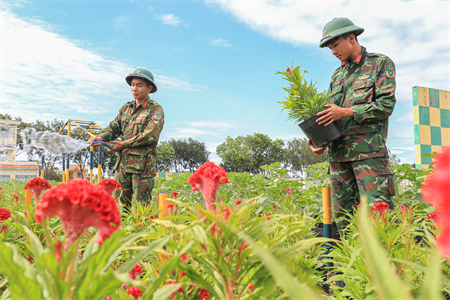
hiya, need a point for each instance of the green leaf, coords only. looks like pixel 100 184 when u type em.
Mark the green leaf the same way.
pixel 389 287
pixel 431 286
pixel 289 284
pixel 166 291
pixel 22 277
pixel 48 267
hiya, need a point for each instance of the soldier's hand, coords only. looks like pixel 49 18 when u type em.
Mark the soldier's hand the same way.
pixel 95 138
pixel 333 113
pixel 118 146
pixel 317 151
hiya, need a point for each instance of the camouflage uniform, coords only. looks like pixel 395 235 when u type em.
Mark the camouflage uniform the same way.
pixel 359 159
pixel 139 128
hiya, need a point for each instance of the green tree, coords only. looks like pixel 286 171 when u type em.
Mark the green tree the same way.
pixel 393 159
pixel 264 151
pixel 300 157
pixel 235 155
pixel 189 154
pixel 164 157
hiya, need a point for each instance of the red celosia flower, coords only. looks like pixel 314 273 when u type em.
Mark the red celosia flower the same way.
pixel 207 179
pixel 267 215
pixel 288 70
pixel 58 250
pixel 80 204
pixel 180 290
pixel 184 257
pixel 203 294
pixel 275 207
pixel 175 194
pixel 213 230
pixel 222 201
pixel 37 185
pixel 226 213
pixel 135 292
pixel 242 247
pixel 288 191
pixel 251 286
pixel 381 207
pixel 124 286
pixel 170 207
pixel 4 214
pixel 110 185
pixel 182 274
pixel 137 270
pixel 108 297
pixel 238 202
pixel 435 217
pixel 4 229
pixel 15 197
pixel 203 246
pixel 81 254
pixel 436 191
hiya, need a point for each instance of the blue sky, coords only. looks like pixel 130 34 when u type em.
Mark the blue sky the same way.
pixel 214 61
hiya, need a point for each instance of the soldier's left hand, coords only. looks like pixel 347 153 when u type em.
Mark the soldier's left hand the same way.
pixel 333 113
pixel 118 146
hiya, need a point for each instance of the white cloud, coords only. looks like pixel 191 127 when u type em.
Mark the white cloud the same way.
pixel 415 34
pixel 195 129
pixel 170 19
pixel 122 22
pixel 221 43
pixel 46 75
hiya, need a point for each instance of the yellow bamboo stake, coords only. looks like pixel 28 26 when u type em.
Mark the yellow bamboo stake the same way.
pixel 326 195
pixel 163 203
pixel 28 196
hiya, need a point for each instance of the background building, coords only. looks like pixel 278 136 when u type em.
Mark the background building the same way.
pixel 10 168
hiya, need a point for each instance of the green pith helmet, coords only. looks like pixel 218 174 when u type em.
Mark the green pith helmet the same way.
pixel 336 28
pixel 142 73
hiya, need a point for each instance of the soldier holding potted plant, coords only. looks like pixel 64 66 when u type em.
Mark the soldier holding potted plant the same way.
pixel 362 97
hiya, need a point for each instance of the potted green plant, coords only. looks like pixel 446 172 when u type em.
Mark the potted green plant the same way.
pixel 303 103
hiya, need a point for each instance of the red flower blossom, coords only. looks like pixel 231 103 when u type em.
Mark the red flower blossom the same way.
pixel 436 191
pixel 180 290
pixel 175 194
pixel 37 185
pixel 58 250
pixel 137 270
pixel 80 204
pixel 207 179
pixel 288 191
pixel 203 246
pixel 242 247
pixel 203 294
pixel 108 297
pixel 4 228
pixel 184 257
pixel 4 214
pixel 124 286
pixel 275 207
pixel 213 230
pixel 15 197
pixel 135 292
pixel 251 286
pixel 170 207
pixel 226 213
pixel 110 185
pixel 238 202
pixel 268 215
pixel 381 207
pixel 182 274
pixel 288 70
pixel 435 217
pixel 222 201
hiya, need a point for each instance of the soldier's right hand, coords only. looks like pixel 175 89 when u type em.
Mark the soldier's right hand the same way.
pixel 95 138
pixel 317 151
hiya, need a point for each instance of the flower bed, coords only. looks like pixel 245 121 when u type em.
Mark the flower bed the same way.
pixel 252 240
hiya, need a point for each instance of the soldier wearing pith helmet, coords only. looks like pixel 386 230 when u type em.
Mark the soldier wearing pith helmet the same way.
pixel 138 125
pixel 362 97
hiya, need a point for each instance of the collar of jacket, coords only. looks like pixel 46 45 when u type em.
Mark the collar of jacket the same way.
pixel 358 58
pixel 144 104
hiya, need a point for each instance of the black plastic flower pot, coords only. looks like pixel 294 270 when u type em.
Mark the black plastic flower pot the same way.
pixel 320 135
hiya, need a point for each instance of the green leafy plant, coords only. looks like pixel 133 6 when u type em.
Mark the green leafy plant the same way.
pixel 303 100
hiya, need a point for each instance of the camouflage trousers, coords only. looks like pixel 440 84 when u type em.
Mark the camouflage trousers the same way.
pixel 133 185
pixel 351 180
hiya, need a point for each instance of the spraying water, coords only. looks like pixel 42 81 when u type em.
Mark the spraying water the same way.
pixel 51 142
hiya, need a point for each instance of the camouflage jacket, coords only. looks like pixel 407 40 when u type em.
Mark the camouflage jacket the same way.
pixel 139 128
pixel 366 85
